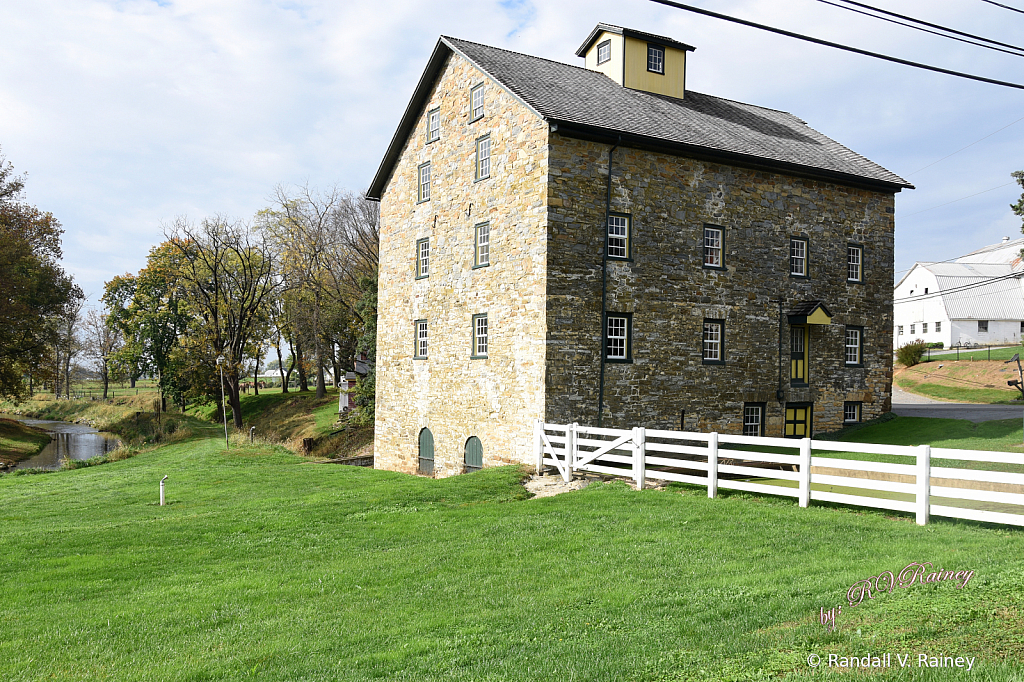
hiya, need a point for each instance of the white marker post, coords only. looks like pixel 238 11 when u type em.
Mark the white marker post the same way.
pixel 162 490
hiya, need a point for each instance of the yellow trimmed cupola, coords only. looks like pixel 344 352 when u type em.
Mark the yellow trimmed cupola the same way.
pixel 637 60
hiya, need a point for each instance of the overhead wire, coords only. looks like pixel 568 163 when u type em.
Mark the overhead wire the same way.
pixel 999 4
pixel 979 252
pixel 986 191
pixel 964 287
pixel 931 25
pixel 967 147
pixel 838 46
pixel 1016 52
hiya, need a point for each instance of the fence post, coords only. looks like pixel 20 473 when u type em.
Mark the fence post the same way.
pixel 924 483
pixel 713 464
pixel 570 451
pixel 538 444
pixel 640 456
pixel 805 472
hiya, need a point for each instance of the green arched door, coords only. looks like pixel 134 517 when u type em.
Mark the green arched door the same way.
pixel 474 454
pixel 426 452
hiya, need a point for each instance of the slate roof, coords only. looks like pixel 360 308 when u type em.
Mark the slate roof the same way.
pixel 588 104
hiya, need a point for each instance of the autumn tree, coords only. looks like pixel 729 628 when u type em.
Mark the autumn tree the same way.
pixel 147 312
pixel 101 339
pixel 36 288
pixel 227 278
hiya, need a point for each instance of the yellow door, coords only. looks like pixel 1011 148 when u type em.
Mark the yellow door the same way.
pixel 798 421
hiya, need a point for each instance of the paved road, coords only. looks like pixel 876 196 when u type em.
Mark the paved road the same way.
pixel 909 405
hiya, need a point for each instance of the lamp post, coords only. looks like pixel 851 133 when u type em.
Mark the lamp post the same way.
pixel 223 407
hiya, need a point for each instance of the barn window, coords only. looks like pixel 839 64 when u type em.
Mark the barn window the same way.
pixel 474 454
pixel 426 452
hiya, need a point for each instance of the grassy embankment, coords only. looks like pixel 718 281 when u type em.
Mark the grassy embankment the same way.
pixel 974 378
pixel 278 417
pixel 18 441
pixel 266 566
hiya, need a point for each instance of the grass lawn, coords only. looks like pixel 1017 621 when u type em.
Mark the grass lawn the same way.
pixel 265 566
pixel 18 441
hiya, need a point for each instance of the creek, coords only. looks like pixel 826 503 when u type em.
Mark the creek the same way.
pixel 69 441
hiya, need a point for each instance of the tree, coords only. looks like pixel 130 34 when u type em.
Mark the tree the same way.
pixel 101 341
pixel 1018 208
pixel 36 289
pixel 147 311
pixel 325 240
pixel 226 275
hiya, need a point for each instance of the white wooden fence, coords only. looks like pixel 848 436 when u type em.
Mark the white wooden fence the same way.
pixel 700 459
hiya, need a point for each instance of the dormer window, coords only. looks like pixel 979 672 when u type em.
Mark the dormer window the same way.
pixel 656 59
pixel 604 52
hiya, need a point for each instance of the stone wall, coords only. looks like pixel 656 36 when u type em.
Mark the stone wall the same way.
pixel 497 398
pixel 669 292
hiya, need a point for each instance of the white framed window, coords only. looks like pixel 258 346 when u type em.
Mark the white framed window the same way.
pixel 656 58
pixel 912 328
pixel 483 158
pixel 938 326
pixel 480 336
pixel 482 245
pixel 851 412
pixel 983 326
pixel 476 102
pixel 924 327
pixel 422 258
pixel 899 330
pixel 433 125
pixel 617 336
pixel 713 247
pixel 798 257
pixel 618 235
pixel 854 261
pixel 714 342
pixel 423 184
pixel 853 345
pixel 421 339
pixel 604 51
pixel 753 419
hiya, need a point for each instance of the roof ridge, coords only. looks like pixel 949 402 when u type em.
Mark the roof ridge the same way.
pixel 521 54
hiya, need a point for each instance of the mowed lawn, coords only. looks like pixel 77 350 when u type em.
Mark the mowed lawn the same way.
pixel 265 566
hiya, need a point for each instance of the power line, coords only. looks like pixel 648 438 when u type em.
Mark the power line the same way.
pixel 991 189
pixel 968 146
pixel 925 23
pixel 1019 53
pixel 987 249
pixel 1012 9
pixel 838 46
pixel 963 287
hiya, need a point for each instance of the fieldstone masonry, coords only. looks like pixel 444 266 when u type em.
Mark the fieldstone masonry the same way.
pixel 545 201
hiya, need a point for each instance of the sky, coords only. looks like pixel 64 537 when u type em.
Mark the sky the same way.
pixel 125 115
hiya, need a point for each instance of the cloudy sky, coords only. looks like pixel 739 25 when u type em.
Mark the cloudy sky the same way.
pixel 128 113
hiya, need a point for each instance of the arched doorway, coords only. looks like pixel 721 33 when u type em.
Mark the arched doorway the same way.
pixel 474 454
pixel 426 452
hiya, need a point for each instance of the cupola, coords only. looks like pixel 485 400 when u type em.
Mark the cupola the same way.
pixel 637 60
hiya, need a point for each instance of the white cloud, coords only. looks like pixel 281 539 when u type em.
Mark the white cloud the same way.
pixel 127 114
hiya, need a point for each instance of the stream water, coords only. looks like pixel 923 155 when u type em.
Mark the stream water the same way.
pixel 73 441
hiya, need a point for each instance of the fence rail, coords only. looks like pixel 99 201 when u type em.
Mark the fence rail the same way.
pixel 700 459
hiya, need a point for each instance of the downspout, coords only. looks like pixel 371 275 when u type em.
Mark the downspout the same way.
pixel 604 282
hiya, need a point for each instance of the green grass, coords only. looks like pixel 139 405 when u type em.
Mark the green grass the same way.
pixel 264 566
pixel 996 354
pixel 18 441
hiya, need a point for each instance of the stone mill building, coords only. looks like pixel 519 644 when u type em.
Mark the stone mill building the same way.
pixel 599 244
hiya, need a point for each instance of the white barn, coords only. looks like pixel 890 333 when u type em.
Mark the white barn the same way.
pixel 976 299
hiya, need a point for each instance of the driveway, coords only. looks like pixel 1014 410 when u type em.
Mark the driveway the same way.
pixel 909 405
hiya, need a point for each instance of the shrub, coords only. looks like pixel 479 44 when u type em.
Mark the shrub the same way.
pixel 910 354
pixel 935 344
